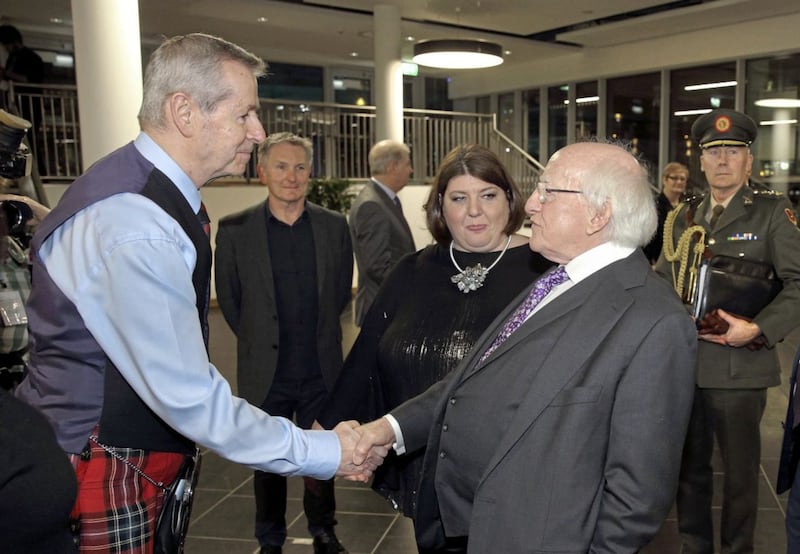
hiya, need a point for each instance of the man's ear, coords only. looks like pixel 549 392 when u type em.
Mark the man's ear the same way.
pixel 182 111
pixel 599 219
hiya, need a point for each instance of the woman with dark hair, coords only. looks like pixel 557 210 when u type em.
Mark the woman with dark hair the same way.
pixel 436 302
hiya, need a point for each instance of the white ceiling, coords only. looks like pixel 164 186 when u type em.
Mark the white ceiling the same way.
pixel 329 32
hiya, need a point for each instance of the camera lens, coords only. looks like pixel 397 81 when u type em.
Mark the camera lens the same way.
pixel 17 214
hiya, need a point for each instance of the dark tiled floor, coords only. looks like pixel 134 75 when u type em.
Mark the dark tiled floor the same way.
pixel 222 520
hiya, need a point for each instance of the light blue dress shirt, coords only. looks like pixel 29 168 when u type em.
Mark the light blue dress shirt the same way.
pixel 127 266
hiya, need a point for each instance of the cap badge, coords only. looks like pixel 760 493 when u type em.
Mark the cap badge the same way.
pixel 722 124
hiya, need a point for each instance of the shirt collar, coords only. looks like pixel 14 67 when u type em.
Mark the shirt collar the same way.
pixel 392 194
pixel 156 155
pixel 592 261
pixel 303 215
pixel 712 203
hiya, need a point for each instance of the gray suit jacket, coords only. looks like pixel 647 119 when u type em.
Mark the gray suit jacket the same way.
pixel 589 460
pixel 246 293
pixel 381 237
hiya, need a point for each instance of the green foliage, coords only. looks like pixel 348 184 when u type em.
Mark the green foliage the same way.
pixel 334 194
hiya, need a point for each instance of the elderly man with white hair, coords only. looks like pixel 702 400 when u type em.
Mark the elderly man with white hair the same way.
pixel 562 430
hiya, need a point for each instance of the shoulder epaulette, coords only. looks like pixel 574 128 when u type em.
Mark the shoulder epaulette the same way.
pixel 767 193
pixel 694 200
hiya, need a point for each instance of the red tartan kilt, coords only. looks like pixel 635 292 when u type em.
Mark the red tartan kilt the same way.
pixel 116 507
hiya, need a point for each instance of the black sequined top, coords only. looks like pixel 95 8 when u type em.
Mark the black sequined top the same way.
pixel 417 330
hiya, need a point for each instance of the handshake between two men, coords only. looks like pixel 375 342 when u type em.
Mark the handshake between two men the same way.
pixel 364 447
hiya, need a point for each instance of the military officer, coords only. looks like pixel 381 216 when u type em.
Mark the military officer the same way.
pixel 736 357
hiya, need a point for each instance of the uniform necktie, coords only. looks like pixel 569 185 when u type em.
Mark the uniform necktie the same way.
pixel 397 202
pixel 541 289
pixel 715 213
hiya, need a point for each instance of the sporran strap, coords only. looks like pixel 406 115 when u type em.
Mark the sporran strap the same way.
pixel 128 463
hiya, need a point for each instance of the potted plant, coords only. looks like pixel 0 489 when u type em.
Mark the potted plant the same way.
pixel 331 193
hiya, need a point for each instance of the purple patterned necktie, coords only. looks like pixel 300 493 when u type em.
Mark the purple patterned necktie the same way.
pixel 541 289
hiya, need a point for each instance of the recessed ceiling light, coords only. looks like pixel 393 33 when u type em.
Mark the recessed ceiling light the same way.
pixel 353 54
pixel 778 103
pixel 698 111
pixel 706 86
pixel 56 20
pixel 778 122
pixel 409 38
pixel 262 19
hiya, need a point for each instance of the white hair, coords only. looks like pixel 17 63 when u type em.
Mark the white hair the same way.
pixel 626 186
pixel 191 64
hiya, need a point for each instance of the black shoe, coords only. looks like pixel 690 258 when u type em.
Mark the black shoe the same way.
pixel 327 543
pixel 271 549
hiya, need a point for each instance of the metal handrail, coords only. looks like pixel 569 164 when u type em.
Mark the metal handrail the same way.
pixel 342 135
pixel 522 166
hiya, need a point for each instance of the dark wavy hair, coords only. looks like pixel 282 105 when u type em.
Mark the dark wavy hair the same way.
pixel 481 163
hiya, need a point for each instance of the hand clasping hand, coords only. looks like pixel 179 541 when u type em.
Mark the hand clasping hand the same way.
pixel 352 467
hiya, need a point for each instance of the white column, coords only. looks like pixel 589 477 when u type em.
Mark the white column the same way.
pixel 108 71
pixel 388 73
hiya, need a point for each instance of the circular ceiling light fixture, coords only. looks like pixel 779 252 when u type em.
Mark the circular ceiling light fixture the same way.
pixel 458 54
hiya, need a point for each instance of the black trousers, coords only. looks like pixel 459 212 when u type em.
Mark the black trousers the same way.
pixel 453 545
pixel 299 400
pixel 733 417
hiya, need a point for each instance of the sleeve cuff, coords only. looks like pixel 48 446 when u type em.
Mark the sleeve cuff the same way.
pixel 399 444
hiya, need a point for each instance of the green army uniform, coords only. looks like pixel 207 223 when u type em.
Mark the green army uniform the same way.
pixel 756 226
pixel 732 381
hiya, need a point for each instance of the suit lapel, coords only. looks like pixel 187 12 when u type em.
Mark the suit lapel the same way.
pixel 736 208
pixel 320 239
pixel 399 218
pixel 546 315
pixel 600 301
pixel 259 253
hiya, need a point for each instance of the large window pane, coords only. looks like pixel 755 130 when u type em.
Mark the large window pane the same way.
pixel 505 116
pixel 772 99
pixel 530 99
pixel 436 94
pixel 633 114
pixel 556 118
pixel 694 91
pixel 292 82
pixel 352 90
pixel 586 110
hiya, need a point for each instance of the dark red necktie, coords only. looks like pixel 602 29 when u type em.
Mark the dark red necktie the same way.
pixel 202 215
